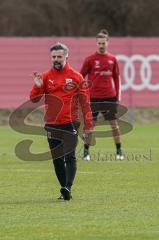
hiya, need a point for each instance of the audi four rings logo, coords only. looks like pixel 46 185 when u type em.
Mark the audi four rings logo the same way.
pixel 129 72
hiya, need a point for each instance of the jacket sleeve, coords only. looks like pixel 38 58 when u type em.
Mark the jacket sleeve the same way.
pixel 85 68
pixel 116 78
pixel 84 100
pixel 36 93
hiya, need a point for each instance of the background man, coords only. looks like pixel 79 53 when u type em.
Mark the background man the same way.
pixel 61 86
pixel 103 71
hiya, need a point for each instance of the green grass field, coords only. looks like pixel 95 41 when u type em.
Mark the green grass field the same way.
pixel 112 200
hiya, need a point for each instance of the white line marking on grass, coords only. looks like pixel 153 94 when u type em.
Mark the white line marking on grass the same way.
pixel 23 170
pixel 36 170
pixel 87 172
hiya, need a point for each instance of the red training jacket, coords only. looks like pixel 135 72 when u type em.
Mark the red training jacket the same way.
pixel 103 72
pixel 64 90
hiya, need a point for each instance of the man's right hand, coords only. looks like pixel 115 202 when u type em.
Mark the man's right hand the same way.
pixel 37 79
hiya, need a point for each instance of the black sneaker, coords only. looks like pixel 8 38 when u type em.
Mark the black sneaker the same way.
pixel 60 198
pixel 119 155
pixel 66 193
pixel 86 155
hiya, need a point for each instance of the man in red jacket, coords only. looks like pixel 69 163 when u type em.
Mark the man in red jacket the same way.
pixel 62 88
pixel 101 69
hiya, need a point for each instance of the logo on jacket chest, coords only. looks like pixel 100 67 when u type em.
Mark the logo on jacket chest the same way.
pixel 97 63
pixel 51 84
pixel 69 84
pixel 68 81
pixel 100 64
pixel 110 62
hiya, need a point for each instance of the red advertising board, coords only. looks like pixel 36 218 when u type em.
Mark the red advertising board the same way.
pixel 138 61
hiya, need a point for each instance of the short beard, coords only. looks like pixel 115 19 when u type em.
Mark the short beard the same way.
pixel 58 66
pixel 102 50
